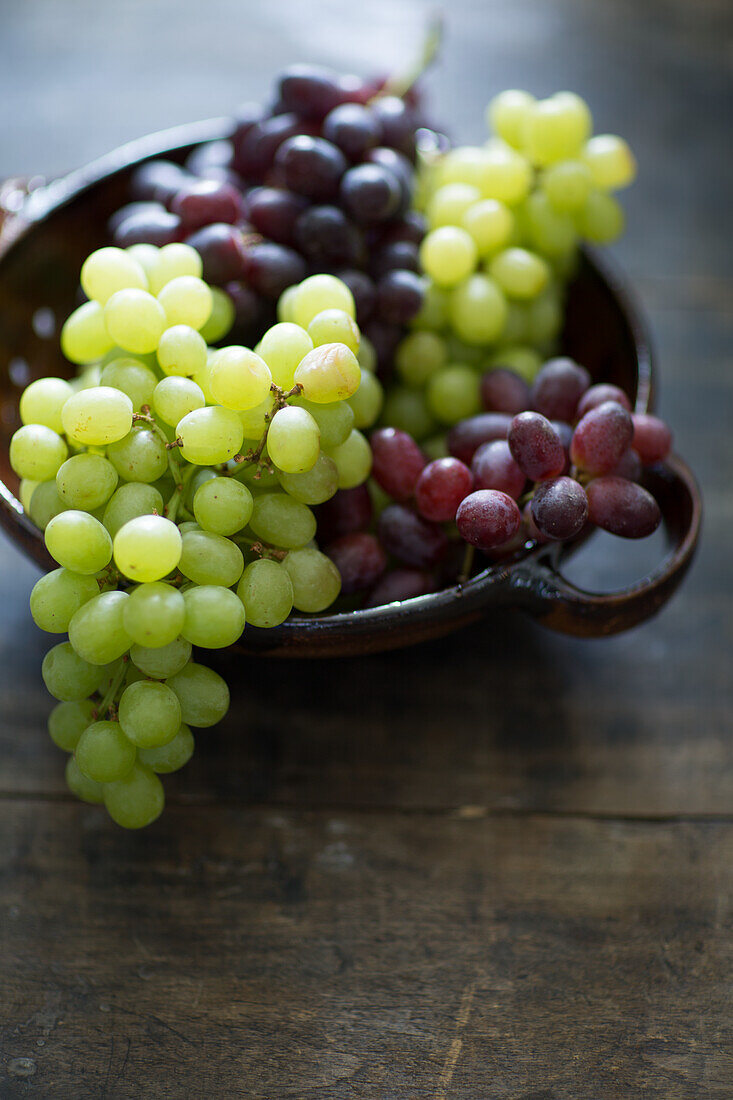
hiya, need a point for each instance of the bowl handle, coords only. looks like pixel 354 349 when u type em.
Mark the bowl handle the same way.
pixel 541 589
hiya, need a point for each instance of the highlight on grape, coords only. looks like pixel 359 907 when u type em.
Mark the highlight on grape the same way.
pixel 332 269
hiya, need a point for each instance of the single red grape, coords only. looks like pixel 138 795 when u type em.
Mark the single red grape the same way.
pixel 652 438
pixel 466 436
pixel 411 538
pixel 558 388
pixel 601 438
pixel 560 508
pixel 494 468
pixel 359 559
pixel 488 518
pixel 398 462
pixel 598 394
pixel 441 487
pixel 536 446
pixel 504 391
pixel 622 507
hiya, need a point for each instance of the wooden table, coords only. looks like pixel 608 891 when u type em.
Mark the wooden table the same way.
pixel 496 867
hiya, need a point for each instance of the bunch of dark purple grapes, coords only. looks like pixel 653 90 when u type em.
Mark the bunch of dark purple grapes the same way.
pixel 541 464
pixel 322 182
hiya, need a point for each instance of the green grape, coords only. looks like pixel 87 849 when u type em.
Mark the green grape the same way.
pixel 448 255
pixel 254 421
pixel 507 114
pixel 490 223
pixel 314 486
pixel 169 758
pixel 221 317
pixel 214 616
pixel 57 596
pixel 202 693
pixel 146 255
pixel 86 481
pixel 67 676
pixel 282 348
pixel 98 416
pixel 556 128
pixel 462 164
pixel 37 452
pixel 367 354
pixel 459 352
pixel 26 489
pixel 222 505
pixel 419 355
pixel 202 377
pixel 42 401
pixel 97 630
pixel 140 456
pixel 173 261
pixel 266 591
pixel 153 614
pixel 353 460
pixel 78 541
pixel 317 293
pixel 610 162
pixel 67 722
pixel 149 714
pixel 163 661
pixel 84 336
pixel 433 313
pixel 182 351
pixel 210 436
pixel 524 361
pixel 368 400
pixel 449 203
pixel 201 475
pixel 329 373
pixel 453 393
pixel 601 220
pixel 132 377
pixel 85 789
pixel 104 753
pixel 176 397
pixel 567 185
pixel 282 521
pixel 136 800
pixel 506 176
pixel 315 579
pixel 135 320
pixel 130 501
pixel 207 558
pixel 108 270
pixel 293 440
pixel 239 378
pixel 516 325
pixel 186 300
pixel 519 273
pixel 334 420
pixel 548 230
pixel 407 410
pixel 544 317
pixel 478 310
pixel 334 326
pixel 46 503
pixel 147 548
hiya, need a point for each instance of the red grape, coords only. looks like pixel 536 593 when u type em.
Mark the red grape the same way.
pixel 398 462
pixel 348 511
pixel 359 559
pixel 399 296
pixel 370 193
pixel 354 128
pixel 652 438
pixel 400 584
pixel 488 518
pixel 558 388
pixel 411 538
pixel 466 436
pixel 600 393
pixel 504 391
pixel 628 466
pixel 494 468
pixel 622 507
pixel 441 487
pixel 601 437
pixel 536 446
pixel 560 508
pixel 204 201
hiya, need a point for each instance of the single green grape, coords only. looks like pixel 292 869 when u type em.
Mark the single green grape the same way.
pixel 315 579
pixel 317 293
pixel 519 273
pixel 97 630
pixel 45 503
pixel 86 481
pixel 478 310
pixel 140 456
pixel 136 800
pixel 153 615
pixel 171 262
pixel 108 270
pixel 609 161
pixel 407 410
pixel 368 400
pixel 135 320
pixel 221 317
pixel 210 436
pixel 186 300
pixel 57 596
pixel 85 789
pixel 214 616
pixel 453 393
pixel 207 558
pixel 67 722
pixel 266 591
pixel 282 348
pixel 42 401
pixel 490 223
pixel 334 326
pixel 286 305
pixel 132 377
pixel 147 548
pixel 163 661
pixel 293 440
pixel 67 676
pixel 78 542
pixel 282 521
pixel 353 460
pixel 314 486
pixel 37 452
pixel 98 416
pixel 84 336
pixel 172 756
pixel 448 255
pixel 419 355
pixel 567 184
pixel 450 202
pixel 601 220
pixel 176 397
pixel 556 128
pixel 131 500
pixel 182 351
pixel 507 113
pixel 222 505
pixel 202 693
pixel 149 714
pixel 329 373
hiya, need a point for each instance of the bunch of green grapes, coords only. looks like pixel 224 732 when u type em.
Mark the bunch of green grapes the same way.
pixel 505 221
pixel 173 482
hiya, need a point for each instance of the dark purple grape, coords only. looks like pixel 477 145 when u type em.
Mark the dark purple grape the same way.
pixel 629 466
pixel 385 339
pixel 558 387
pixel 254 154
pixel 246 116
pixel 364 291
pixel 132 209
pixel 397 462
pixel 156 227
pixel 598 394
pixel 441 487
pixel 398 124
pixel 370 193
pixel 410 538
pixel 401 169
pixel 205 201
pixel 412 226
pixel 221 250
pixel 399 296
pixel 349 510
pixel 565 431
pixel 309 90
pixel 359 559
pixel 158 180
pixel 466 436
pixel 354 128
pixel 502 390
pixel 652 438
pixel 353 89
pixel 488 518
pixel 536 447
pixel 274 212
pixel 494 468
pixel 272 268
pixel 601 438
pixel 622 507
pixel 211 155
pixel 395 256
pixel 327 238
pixel 560 508
pixel 311 166
pixel 248 306
pixel 400 584
pixel 532 530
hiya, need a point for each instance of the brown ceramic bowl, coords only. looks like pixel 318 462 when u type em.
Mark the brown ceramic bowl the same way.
pixel 42 246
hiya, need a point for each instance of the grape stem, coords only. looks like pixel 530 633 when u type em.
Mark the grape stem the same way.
pixel 400 83
pixel 253 457
pixel 259 548
pixel 107 704
pixel 465 574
